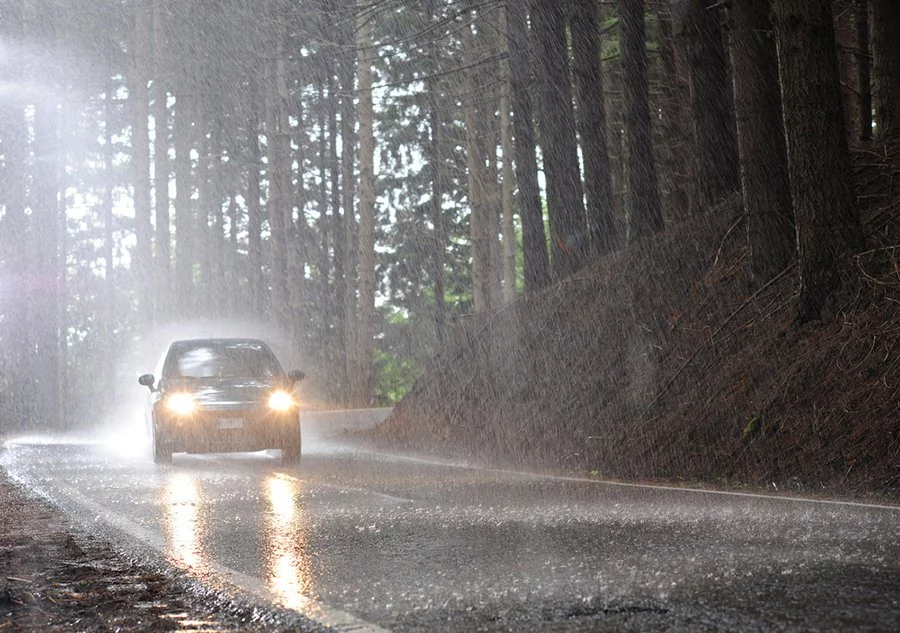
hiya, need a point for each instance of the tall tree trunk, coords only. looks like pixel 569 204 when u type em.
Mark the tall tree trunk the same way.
pixel 508 230
pixel 365 388
pixel 109 315
pixel 15 239
pixel 642 204
pixel 68 125
pixel 488 142
pixel 184 221
pixel 864 61
pixel 534 239
pixel 326 301
pixel 476 169
pixel 255 277
pixel 713 118
pixel 760 133
pixel 279 204
pixel 848 49
pixel 826 214
pixel 163 254
pixel 339 298
pixel 565 198
pixel 677 163
pixel 217 206
pixel 140 161
pixel 298 230
pixel 436 161
pixel 45 221
pixel 347 70
pixel 211 214
pixel 884 18
pixel 587 51
pixel 204 210
pixel 233 258
pixel 615 115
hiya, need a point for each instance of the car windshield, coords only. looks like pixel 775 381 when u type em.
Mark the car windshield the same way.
pixel 218 361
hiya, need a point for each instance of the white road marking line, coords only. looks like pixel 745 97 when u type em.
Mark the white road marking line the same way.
pixel 607 482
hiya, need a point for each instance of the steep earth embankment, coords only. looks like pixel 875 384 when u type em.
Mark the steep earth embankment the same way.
pixel 665 362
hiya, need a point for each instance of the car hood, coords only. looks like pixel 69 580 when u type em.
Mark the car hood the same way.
pixel 230 393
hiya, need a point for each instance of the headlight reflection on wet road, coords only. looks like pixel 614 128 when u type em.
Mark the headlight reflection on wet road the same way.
pixel 287 559
pixel 184 530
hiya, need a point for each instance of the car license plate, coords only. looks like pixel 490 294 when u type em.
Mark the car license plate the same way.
pixel 231 423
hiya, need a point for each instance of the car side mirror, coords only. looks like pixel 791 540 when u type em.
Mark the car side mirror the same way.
pixel 296 376
pixel 147 380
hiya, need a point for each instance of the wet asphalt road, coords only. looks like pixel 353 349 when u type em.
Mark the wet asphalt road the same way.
pixel 368 542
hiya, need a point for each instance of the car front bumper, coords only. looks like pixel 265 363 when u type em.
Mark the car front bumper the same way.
pixel 224 430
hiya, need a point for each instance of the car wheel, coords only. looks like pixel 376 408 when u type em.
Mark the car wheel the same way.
pixel 290 448
pixel 162 450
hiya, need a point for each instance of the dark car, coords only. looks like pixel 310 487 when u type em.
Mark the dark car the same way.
pixel 222 394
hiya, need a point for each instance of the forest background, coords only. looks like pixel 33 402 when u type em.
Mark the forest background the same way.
pixel 373 184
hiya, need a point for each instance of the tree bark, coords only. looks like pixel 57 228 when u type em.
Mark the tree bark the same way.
pixel 477 175
pixel 864 61
pixel 297 236
pixel 508 229
pixel 347 72
pixel 587 72
pixel 565 197
pixel 534 239
pixel 279 206
pixel 365 387
pixel 140 161
pixel 217 204
pixel 884 18
pixel 760 133
pixel 642 202
pixel 185 243
pixel 326 303
pixel 436 160
pixel 255 277
pixel 108 311
pixel 45 210
pixel 827 218
pixel 163 253
pixel 339 294
pixel 677 163
pixel 203 210
pixel 713 117
pixel 17 359
pixel 846 16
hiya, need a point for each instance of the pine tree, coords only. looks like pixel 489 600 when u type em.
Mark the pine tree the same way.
pixel 587 51
pixel 711 102
pixel 760 133
pixel 642 203
pixel 827 218
pixel 565 197
pixel 534 239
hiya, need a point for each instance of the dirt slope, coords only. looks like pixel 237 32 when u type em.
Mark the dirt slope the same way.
pixel 665 362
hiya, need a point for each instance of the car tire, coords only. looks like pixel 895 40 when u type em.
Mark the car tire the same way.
pixel 290 449
pixel 162 451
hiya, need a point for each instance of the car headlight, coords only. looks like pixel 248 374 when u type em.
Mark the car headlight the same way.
pixel 281 401
pixel 181 403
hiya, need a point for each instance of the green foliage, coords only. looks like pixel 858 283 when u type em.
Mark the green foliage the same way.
pixel 394 377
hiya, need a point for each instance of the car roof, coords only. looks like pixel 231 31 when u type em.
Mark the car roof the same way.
pixel 218 342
